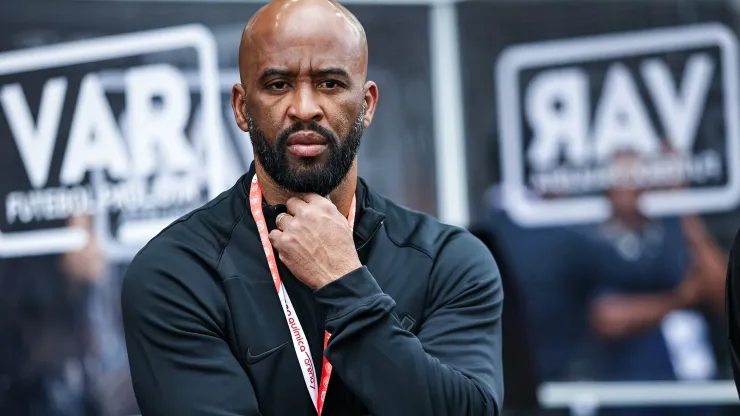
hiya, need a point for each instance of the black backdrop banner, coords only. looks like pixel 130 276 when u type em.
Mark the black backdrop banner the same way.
pixel 553 90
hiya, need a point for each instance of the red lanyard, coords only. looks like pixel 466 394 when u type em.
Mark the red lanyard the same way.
pixel 303 352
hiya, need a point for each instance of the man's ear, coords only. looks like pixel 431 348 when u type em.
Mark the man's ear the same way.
pixel 237 104
pixel 371 101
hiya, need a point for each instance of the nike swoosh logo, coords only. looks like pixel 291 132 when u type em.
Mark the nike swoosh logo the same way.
pixel 252 359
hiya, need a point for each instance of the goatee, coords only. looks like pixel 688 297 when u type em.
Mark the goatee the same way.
pixel 312 175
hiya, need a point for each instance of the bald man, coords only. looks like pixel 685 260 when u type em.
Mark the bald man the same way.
pixel 300 291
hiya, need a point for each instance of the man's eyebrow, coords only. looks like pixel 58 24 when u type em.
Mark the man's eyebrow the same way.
pixel 272 72
pixel 332 71
pixel 277 72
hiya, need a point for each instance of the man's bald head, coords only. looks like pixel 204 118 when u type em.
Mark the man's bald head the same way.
pixel 292 22
pixel 304 97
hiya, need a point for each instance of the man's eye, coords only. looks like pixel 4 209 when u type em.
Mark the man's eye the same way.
pixel 279 85
pixel 330 84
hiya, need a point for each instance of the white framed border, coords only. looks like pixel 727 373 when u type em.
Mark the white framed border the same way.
pixel 532 212
pixel 58 240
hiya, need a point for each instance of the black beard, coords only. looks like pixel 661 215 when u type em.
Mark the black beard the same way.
pixel 312 176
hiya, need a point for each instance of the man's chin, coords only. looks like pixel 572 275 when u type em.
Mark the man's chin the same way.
pixel 304 188
pixel 308 180
pixel 297 164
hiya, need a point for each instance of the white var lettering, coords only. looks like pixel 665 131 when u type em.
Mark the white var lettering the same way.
pixel 621 120
pixel 158 126
pixel 94 139
pixel 35 143
pixel 557 107
pixel 151 137
pixel 680 111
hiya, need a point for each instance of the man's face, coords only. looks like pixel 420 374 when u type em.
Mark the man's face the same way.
pixel 304 103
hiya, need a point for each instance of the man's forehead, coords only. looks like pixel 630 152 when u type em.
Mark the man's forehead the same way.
pixel 309 33
pixel 304 58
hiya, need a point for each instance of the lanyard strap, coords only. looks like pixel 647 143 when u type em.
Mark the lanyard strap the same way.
pixel 300 343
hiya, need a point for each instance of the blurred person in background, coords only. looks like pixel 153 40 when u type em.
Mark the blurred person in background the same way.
pixel 650 275
pixel 46 340
pixel 107 362
pixel 597 296
pixel 733 309
pixel 61 350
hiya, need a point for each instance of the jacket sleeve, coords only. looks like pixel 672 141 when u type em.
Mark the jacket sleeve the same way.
pixel 173 315
pixel 732 309
pixel 452 367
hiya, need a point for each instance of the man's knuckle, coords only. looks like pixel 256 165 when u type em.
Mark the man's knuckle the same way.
pixel 309 214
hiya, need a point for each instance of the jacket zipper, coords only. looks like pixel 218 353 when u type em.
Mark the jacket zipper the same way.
pixel 370 237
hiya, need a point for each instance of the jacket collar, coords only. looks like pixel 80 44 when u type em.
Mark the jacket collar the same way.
pixel 367 220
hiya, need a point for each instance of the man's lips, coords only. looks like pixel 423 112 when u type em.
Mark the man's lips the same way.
pixel 306 144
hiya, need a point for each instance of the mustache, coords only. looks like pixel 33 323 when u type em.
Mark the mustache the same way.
pixel 312 126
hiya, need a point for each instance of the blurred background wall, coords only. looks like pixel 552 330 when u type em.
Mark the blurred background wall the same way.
pixel 594 146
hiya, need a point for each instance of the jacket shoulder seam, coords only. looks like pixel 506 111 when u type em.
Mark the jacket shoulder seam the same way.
pixel 408 244
pixel 188 216
pixel 228 240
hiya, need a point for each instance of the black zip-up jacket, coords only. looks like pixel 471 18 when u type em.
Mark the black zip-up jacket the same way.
pixel 415 332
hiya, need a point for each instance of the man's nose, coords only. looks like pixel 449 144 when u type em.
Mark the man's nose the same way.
pixel 305 106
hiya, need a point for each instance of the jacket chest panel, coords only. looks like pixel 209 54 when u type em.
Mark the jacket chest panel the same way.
pixel 260 336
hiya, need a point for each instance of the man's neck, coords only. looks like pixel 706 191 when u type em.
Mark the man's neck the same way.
pixel 341 197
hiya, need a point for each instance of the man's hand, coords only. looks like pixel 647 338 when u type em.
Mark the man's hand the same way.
pixel 613 317
pixel 314 241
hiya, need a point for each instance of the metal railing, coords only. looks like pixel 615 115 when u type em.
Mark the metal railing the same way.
pixel 585 398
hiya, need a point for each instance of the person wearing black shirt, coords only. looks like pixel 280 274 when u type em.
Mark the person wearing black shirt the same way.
pixel 301 290
pixel 732 308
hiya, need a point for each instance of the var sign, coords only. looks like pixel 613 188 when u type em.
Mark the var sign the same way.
pixel 667 96
pixel 105 127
